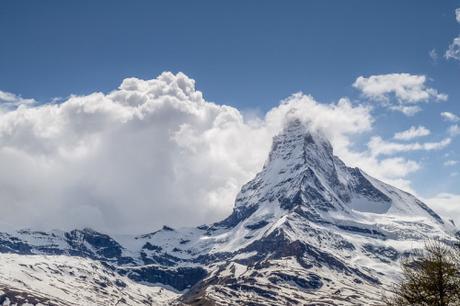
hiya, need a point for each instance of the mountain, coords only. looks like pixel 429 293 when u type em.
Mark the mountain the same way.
pixel 306 230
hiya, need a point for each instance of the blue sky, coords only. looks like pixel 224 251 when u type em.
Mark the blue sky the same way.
pixel 242 53
pixel 247 54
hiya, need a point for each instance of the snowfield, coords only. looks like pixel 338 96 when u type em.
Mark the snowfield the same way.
pixel 66 280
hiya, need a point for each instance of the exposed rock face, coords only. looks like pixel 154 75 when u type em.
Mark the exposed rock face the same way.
pixel 306 230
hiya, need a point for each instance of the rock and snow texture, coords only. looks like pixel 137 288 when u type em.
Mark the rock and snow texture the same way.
pixel 306 230
pixel 67 280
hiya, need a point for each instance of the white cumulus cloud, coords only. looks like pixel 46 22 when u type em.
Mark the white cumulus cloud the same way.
pixel 412 132
pixel 405 87
pixel 407 90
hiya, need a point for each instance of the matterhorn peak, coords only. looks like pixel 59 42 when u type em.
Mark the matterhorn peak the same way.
pixel 296 138
pixel 301 161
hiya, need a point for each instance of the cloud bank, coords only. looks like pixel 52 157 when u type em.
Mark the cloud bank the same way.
pixel 151 152
pixel 155 152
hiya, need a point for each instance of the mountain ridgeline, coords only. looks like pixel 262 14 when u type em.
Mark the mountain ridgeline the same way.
pixel 307 230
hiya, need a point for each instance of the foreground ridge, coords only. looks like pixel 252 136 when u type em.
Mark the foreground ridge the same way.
pixel 306 230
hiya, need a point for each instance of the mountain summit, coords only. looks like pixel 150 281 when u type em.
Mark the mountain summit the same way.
pixel 306 230
pixel 303 174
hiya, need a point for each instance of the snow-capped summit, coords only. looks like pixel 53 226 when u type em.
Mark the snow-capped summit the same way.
pixel 306 229
pixel 297 143
pixel 303 173
pixel 294 153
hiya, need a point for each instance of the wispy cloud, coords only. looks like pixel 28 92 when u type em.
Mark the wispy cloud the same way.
pixel 450 117
pixel 412 132
pixel 434 55
pixel 378 146
pixel 9 100
pixel 453 52
pixel 450 162
pixel 406 110
pixel 454 130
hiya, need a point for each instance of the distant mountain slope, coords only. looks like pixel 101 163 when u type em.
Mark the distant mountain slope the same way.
pixel 68 280
pixel 306 230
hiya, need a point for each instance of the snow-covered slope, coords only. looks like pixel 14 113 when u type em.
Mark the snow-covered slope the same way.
pixel 307 229
pixel 67 280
